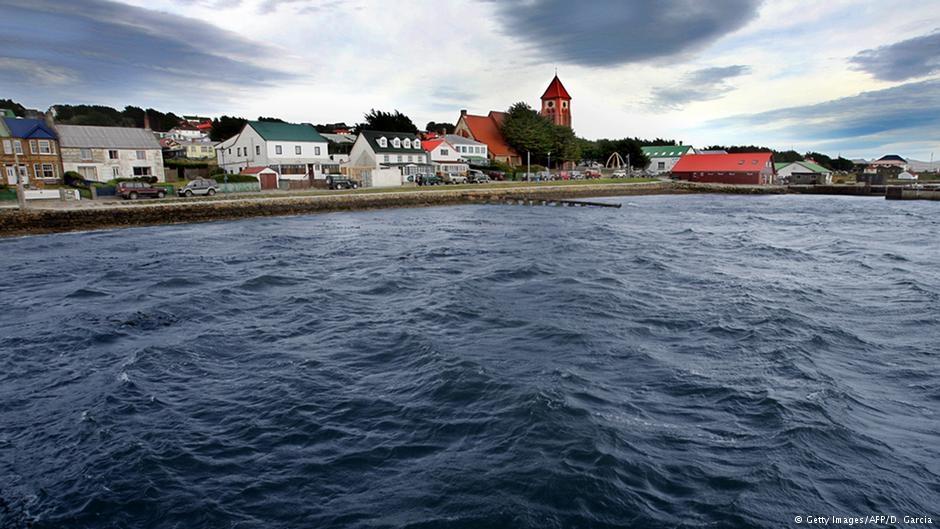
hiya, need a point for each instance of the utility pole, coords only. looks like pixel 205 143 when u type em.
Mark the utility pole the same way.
pixel 528 166
pixel 629 167
pixel 550 165
pixel 20 191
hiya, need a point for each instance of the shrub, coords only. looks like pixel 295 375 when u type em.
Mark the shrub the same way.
pixel 238 178
pixel 216 171
pixel 73 179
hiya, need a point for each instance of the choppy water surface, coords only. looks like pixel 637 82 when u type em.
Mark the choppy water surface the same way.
pixel 697 361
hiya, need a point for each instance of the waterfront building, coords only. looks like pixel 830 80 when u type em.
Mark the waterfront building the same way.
pixel 803 172
pixel 104 153
pixel 377 157
pixel 739 168
pixel 294 151
pixel 486 130
pixel 35 145
pixel 664 157
pixel 474 152
pixel 445 157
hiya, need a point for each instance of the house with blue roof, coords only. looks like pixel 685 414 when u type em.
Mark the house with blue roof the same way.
pixel 34 145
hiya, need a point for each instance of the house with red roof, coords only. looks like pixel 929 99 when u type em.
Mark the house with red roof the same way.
pixel 755 168
pixel 486 129
pixel 445 157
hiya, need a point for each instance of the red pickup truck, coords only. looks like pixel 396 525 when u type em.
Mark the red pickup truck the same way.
pixel 135 190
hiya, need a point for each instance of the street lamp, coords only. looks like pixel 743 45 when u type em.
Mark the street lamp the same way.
pixel 549 165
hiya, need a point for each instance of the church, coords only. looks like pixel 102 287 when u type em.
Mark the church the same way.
pixel 556 106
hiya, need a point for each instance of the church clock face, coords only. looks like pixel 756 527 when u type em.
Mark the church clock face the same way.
pixel 550 104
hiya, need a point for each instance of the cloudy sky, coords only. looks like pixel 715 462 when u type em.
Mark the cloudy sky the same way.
pixel 856 77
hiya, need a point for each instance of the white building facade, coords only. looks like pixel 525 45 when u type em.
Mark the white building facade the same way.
pixel 376 153
pixel 296 152
pixel 664 157
pixel 101 154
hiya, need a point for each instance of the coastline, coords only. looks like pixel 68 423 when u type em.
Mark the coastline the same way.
pixel 40 220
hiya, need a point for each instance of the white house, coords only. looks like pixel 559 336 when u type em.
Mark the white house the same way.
pixel 445 157
pixel 295 152
pixel 803 172
pixel 375 153
pixel 470 150
pixel 103 153
pixel 664 157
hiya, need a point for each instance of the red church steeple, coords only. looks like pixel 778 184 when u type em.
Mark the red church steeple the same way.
pixel 556 103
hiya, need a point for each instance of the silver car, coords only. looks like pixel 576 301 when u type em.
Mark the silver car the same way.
pixel 201 186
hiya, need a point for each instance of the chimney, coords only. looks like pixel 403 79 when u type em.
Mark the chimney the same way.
pixel 146 120
pixel 463 113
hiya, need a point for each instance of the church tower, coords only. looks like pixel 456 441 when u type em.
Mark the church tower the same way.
pixel 556 103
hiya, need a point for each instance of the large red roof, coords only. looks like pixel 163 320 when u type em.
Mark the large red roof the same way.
pixel 706 163
pixel 556 90
pixel 486 129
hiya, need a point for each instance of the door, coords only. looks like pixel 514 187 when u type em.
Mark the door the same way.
pixel 268 181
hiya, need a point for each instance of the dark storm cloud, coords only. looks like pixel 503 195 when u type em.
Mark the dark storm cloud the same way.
pixel 904 113
pixel 107 48
pixel 611 32
pixel 907 59
pixel 700 85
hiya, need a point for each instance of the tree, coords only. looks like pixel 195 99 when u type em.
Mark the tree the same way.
pixel 271 120
pixel 567 147
pixel 224 127
pixel 842 164
pixel 9 104
pixel 628 148
pixel 446 128
pixel 387 121
pixel 528 132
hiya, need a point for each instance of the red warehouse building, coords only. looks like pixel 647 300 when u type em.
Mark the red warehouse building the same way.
pixel 754 168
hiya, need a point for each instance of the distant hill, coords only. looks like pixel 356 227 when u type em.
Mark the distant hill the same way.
pixel 917 165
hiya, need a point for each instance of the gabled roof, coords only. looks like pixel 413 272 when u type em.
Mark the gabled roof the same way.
pixel 808 166
pixel 29 128
pixel 256 170
pixel 372 137
pixel 486 129
pixel 339 138
pixel 556 90
pixel 430 145
pixel 666 151
pixel 276 131
pixel 738 162
pixel 89 137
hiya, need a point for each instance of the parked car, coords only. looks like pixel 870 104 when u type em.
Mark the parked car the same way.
pixel 592 173
pixel 338 181
pixel 619 173
pixel 454 178
pixel 202 186
pixel 424 179
pixel 575 175
pixel 477 177
pixel 135 190
pixel 497 175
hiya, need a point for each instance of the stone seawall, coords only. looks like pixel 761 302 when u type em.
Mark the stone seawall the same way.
pixel 35 221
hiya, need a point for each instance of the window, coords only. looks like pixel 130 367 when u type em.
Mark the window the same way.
pixel 661 166
pixel 278 150
pixel 383 142
pixel 88 173
pixel 445 152
pixel 205 149
pixel 45 147
pixel 85 154
pixel 316 151
pixel 298 149
pixel 17 146
pixel 24 171
pixel 141 171
pixel 48 170
pixel 115 172
pixel 550 104
pixel 564 104
pixel 7 147
pixel 33 148
pixel 396 143
pixel 257 150
pixel 407 144
pixel 410 158
pixel 141 155
pixel 11 175
pixel 399 158
pixel 386 158
pixel 112 155
pixel 230 150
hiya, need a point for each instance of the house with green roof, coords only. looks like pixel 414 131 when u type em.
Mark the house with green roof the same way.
pixel 803 173
pixel 295 151
pixel 379 159
pixel 664 157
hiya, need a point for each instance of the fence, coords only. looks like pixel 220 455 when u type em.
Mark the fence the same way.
pixel 240 187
